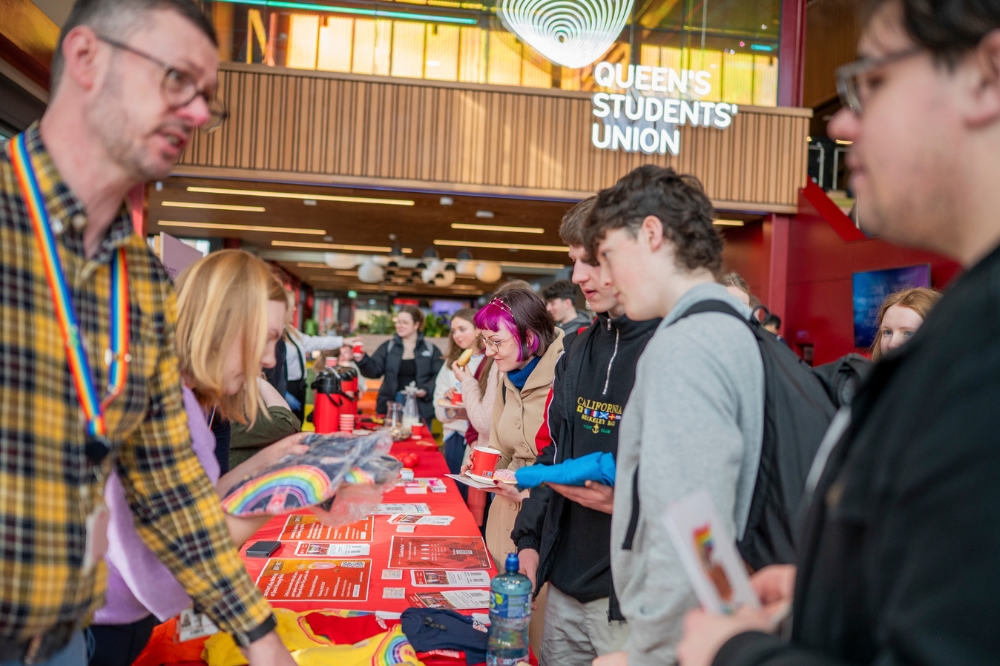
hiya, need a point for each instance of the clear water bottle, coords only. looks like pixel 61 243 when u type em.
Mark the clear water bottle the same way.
pixel 510 613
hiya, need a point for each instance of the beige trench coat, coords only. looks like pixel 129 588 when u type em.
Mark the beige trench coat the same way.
pixel 517 416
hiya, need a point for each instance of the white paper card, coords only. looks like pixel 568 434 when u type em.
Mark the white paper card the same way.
pixel 310 549
pixel 467 599
pixel 439 578
pixel 405 529
pixel 392 574
pixel 708 553
pixel 390 509
pixel 410 519
pixel 394 593
pixel 191 625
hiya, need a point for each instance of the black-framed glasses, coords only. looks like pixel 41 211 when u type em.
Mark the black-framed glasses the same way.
pixel 852 79
pixel 179 88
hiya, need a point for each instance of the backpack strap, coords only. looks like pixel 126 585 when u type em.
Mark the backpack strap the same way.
pixel 697 308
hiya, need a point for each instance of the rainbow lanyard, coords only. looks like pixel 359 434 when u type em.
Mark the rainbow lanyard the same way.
pixel 117 357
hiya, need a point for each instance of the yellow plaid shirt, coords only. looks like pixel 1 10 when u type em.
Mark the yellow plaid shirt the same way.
pixel 47 485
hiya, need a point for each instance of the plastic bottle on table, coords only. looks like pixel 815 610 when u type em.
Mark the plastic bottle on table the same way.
pixel 510 614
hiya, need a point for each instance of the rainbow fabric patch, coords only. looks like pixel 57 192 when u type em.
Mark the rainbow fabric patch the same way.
pixel 394 649
pixel 293 487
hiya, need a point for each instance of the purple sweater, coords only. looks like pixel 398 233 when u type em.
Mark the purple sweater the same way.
pixel 138 583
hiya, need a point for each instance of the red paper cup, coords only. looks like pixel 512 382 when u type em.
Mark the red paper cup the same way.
pixel 418 430
pixel 346 423
pixel 484 461
pixel 358 351
pixel 456 398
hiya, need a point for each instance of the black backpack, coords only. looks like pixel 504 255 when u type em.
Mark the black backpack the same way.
pixel 797 412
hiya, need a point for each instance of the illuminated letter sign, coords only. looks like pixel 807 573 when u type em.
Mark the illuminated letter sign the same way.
pixel 637 120
pixel 572 33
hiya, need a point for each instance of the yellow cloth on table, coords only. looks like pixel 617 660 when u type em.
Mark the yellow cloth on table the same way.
pixel 311 649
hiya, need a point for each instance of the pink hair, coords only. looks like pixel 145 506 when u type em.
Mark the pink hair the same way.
pixel 496 316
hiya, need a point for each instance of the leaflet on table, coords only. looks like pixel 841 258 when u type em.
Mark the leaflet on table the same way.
pixel 453 552
pixel 307 527
pixel 451 599
pixel 311 549
pixel 472 483
pixel 290 580
pixel 708 553
pixel 391 509
pixel 440 578
pixel 411 519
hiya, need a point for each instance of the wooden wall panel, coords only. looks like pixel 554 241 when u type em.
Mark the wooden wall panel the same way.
pixel 832 32
pixel 352 130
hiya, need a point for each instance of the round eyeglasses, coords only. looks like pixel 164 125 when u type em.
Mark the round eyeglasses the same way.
pixel 179 88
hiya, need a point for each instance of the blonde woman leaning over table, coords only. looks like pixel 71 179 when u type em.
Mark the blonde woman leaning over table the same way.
pixel 231 312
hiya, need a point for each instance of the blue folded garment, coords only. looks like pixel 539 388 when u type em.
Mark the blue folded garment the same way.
pixel 598 467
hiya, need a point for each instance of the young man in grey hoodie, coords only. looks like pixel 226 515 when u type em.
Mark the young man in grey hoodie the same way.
pixel 694 420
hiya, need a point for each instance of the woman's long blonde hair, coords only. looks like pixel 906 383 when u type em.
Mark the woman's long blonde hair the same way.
pixel 222 301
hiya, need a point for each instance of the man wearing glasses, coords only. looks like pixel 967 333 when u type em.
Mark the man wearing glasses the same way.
pixel 900 562
pixel 88 376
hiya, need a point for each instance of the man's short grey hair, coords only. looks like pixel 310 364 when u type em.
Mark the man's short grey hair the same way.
pixel 118 19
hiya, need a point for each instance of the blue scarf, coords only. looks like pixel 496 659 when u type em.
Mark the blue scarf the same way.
pixel 519 377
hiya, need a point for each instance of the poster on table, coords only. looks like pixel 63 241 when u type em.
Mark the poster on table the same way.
pixel 308 528
pixel 454 552
pixel 291 580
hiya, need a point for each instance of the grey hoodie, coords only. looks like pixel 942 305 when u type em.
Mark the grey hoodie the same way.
pixel 694 421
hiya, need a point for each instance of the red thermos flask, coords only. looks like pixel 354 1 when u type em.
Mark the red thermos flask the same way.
pixel 329 402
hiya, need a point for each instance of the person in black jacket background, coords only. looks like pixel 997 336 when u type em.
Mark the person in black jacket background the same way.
pixel 563 533
pixel 900 556
pixel 404 359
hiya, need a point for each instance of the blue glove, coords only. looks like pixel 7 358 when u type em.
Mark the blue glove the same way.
pixel 598 467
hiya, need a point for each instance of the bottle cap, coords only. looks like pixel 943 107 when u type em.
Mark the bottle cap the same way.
pixel 512 564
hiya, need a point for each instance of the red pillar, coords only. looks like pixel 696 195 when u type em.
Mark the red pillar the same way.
pixel 778 270
pixel 792 52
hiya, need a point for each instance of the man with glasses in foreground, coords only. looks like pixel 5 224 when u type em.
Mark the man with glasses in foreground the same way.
pixel 900 561
pixel 88 375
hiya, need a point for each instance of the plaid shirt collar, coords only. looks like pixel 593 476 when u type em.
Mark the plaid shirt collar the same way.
pixel 67 215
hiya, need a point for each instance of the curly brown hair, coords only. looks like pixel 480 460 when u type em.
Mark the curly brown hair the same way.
pixel 678 201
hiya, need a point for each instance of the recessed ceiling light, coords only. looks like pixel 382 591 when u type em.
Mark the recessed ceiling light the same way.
pixel 484 214
pixel 447 201
pixel 728 223
pixel 295 195
pixel 211 206
pixel 502 246
pixel 493 227
pixel 241 227
pixel 309 202
pixel 332 246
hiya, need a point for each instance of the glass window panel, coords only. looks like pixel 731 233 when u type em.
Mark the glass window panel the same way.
pixel 335 42
pixel 383 46
pixel 536 70
pixel 765 92
pixel 303 41
pixel 503 65
pixel 363 58
pixel 471 54
pixel 442 52
pixel 408 49
pixel 737 78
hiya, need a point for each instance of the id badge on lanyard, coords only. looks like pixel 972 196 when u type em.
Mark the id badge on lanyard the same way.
pixel 117 357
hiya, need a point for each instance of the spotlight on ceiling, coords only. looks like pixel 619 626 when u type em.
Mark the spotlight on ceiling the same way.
pixel 484 214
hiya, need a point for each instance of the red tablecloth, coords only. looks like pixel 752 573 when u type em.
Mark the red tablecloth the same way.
pixel 432 464
pixel 450 503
